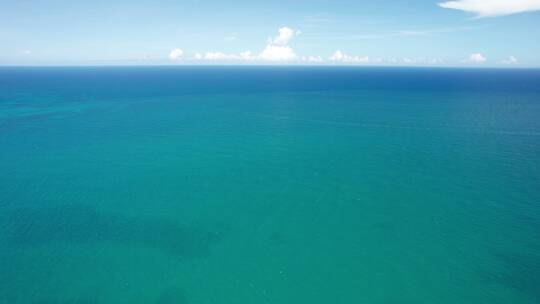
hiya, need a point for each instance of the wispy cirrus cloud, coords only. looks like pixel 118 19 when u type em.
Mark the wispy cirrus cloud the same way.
pixel 492 8
pixel 434 31
pixel 397 33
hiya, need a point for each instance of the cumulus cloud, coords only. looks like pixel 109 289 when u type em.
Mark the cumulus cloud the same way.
pixel 492 8
pixel 510 60
pixel 246 55
pixel 284 36
pixel 277 53
pixel 217 56
pixel 176 54
pixel 277 48
pixel 270 53
pixel 339 56
pixel 476 58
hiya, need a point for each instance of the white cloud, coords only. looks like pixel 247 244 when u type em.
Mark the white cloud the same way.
pixel 246 55
pixel 278 49
pixel 510 60
pixel 277 53
pixel 492 8
pixel 176 54
pixel 337 56
pixel 285 35
pixel 270 53
pixel 364 59
pixel 476 58
pixel 342 57
pixel 219 56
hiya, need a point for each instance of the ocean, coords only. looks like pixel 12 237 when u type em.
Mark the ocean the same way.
pixel 176 185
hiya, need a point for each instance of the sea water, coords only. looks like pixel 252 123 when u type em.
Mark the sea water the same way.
pixel 175 185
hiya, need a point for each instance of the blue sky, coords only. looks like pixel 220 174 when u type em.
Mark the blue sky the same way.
pixel 502 33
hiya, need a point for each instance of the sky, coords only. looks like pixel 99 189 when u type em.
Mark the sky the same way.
pixel 479 33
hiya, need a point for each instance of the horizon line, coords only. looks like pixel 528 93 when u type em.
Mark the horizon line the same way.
pixel 271 65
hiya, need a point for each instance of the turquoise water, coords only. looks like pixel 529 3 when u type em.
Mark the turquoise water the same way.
pixel 269 185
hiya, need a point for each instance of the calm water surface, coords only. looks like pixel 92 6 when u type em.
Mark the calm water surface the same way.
pixel 175 185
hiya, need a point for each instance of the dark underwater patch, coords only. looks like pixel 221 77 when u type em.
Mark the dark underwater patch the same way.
pixel 80 224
